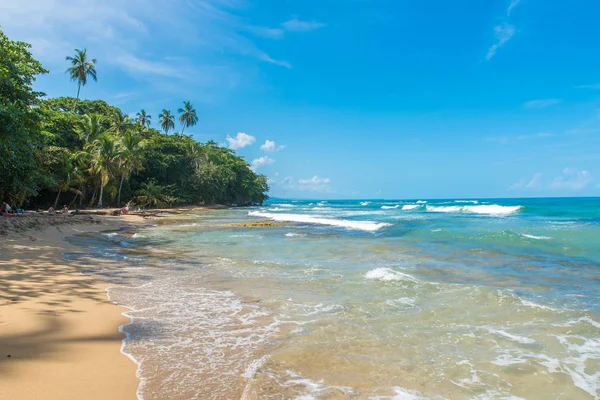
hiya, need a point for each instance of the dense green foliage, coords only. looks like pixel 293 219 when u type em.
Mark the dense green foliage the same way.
pixel 89 153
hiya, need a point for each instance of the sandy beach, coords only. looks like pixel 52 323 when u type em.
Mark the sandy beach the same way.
pixel 59 336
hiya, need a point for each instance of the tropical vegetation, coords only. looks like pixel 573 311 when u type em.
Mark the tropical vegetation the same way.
pixel 88 153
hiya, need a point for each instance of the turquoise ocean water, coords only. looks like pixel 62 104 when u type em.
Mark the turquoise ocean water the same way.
pixel 362 299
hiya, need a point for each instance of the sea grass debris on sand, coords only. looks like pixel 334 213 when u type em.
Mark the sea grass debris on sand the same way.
pixel 257 224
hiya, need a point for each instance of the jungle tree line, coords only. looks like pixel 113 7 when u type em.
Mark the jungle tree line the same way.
pixel 88 153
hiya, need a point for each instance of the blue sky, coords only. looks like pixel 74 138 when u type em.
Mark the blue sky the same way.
pixel 357 99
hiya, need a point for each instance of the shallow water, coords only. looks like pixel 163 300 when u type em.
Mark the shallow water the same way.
pixel 444 299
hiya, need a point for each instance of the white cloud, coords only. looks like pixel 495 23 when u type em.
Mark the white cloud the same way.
pixel 296 25
pixel 240 141
pixel 572 179
pixel 503 33
pixel 535 183
pixel 259 162
pixel 541 103
pixel 271 146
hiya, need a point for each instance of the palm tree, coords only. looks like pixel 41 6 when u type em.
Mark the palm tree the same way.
pixel 143 119
pixel 132 147
pixel 152 194
pixel 68 175
pixel 196 155
pixel 119 122
pixel 81 68
pixel 90 128
pixel 167 121
pixel 188 115
pixel 104 159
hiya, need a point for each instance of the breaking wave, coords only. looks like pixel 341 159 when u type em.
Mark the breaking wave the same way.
pixel 307 219
pixel 492 209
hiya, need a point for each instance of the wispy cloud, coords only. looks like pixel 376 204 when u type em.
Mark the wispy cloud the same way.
pixel 316 184
pixel 297 25
pixel 512 5
pixel 538 135
pixel 138 65
pixel 315 180
pixel 572 179
pixel 534 183
pixel 240 141
pixel 541 103
pixel 212 43
pixel 503 33
pixel 593 86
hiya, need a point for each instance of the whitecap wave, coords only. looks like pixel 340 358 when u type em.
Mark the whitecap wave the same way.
pixel 365 203
pixel 492 209
pixel 307 219
pixel 388 275
pixel 467 201
pixel 422 202
pixel 535 237
pixel 389 207
pixel 294 234
pixel 284 205
pixel 409 207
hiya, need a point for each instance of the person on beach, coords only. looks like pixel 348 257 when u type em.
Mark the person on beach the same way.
pixel 51 210
pixel 65 209
pixel 125 209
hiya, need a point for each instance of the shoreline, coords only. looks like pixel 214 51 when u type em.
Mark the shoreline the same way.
pixel 61 337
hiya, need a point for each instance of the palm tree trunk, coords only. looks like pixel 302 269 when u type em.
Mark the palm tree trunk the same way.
pixel 73 201
pixel 83 194
pixel 119 195
pixel 101 192
pixel 94 195
pixel 57 197
pixel 77 99
pixel 182 130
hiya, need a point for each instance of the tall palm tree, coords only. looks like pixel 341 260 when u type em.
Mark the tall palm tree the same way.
pixel 119 122
pixel 132 148
pixel 167 121
pixel 104 159
pixel 143 119
pixel 81 68
pixel 188 115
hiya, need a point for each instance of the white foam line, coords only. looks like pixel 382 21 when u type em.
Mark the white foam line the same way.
pixel 357 225
pixel 138 372
pixel 535 237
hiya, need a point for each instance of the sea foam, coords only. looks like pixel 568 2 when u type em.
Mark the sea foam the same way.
pixel 307 219
pixel 492 209
pixel 535 237
pixel 388 275
pixel 389 207
pixel 409 207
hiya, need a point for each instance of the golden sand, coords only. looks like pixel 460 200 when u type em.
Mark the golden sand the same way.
pixel 59 337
